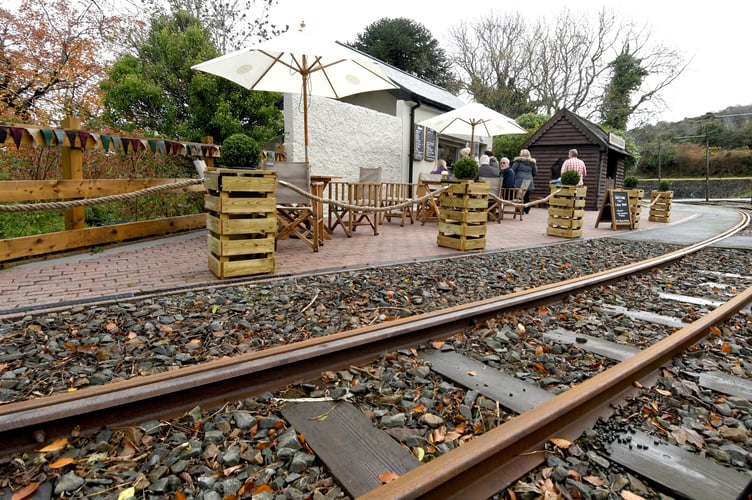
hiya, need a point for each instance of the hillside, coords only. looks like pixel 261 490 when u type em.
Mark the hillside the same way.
pixel 682 145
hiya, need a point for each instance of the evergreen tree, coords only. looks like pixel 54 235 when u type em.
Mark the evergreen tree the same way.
pixel 626 77
pixel 409 46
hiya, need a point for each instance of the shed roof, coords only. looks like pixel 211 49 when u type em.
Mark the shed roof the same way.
pixel 590 130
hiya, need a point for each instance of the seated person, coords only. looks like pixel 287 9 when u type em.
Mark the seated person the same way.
pixel 486 170
pixel 507 173
pixel 441 167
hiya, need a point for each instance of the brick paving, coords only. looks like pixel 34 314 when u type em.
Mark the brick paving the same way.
pixel 180 262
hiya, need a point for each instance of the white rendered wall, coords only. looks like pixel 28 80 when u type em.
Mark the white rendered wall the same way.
pixel 343 137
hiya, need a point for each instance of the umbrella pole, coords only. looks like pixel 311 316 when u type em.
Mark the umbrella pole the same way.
pixel 304 74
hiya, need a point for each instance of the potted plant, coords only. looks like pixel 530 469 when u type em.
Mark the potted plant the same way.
pixel 240 151
pixel 466 168
pixel 463 208
pixel 660 202
pixel 635 198
pixel 566 206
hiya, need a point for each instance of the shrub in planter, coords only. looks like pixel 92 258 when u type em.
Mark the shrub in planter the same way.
pixel 631 182
pixel 240 151
pixel 570 178
pixel 466 168
pixel 664 186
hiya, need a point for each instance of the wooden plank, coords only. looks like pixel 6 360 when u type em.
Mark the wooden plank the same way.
pixel 226 267
pixel 725 383
pixel 684 473
pixel 54 189
pixel 40 244
pixel 645 316
pixel 461 243
pixel 512 393
pixel 226 224
pixel 611 350
pixel 227 245
pixel 348 443
pixel 681 472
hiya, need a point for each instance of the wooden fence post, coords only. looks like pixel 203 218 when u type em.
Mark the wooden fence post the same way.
pixel 73 169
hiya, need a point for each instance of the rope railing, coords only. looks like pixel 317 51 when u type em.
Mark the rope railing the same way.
pixel 88 202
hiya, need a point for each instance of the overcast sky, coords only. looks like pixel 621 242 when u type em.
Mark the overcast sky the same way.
pixel 715 35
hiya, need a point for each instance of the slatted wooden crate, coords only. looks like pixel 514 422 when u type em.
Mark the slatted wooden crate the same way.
pixel 463 215
pixel 660 205
pixel 241 219
pixel 566 211
pixel 635 205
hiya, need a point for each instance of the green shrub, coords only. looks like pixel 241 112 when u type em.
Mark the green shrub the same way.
pixel 240 151
pixel 631 182
pixel 664 186
pixel 570 178
pixel 465 168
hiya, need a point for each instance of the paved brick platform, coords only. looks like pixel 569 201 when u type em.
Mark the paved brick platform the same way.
pixel 180 262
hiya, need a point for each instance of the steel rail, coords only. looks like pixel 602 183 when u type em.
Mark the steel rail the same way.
pixel 164 395
pixel 479 468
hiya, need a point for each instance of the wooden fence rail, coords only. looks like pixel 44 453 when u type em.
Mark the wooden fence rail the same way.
pixel 73 186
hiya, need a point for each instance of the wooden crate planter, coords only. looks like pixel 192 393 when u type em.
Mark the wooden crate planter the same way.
pixel 635 205
pixel 660 206
pixel 566 211
pixel 463 215
pixel 242 222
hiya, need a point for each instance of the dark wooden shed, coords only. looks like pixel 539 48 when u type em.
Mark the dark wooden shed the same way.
pixel 603 154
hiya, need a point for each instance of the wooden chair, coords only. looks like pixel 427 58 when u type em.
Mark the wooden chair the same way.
pixel 364 198
pixel 296 212
pixel 428 209
pixel 516 196
pixel 370 174
pixel 494 205
pixel 395 194
pixel 338 216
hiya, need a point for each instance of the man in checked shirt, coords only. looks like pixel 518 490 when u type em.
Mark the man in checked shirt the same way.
pixel 574 163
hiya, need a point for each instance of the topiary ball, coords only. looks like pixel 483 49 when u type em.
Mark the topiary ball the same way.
pixel 240 151
pixel 465 168
pixel 664 186
pixel 570 178
pixel 631 182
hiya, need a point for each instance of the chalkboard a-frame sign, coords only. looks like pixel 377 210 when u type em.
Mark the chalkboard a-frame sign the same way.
pixel 615 208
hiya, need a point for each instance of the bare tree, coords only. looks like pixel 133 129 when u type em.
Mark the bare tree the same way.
pixel 561 62
pixel 493 56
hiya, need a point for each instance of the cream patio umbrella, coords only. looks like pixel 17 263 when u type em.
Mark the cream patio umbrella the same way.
pixel 463 121
pixel 300 62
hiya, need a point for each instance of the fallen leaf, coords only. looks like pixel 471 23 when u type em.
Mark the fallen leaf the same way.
pixel 726 348
pixel 179 495
pixel 419 453
pixel 561 443
pixel 663 392
pixel 637 384
pixel 539 350
pixel 262 488
pixel 594 480
pixel 56 445
pixel 61 462
pixel 628 495
pixel 715 331
pixel 437 345
pixel 387 477
pixel 25 491
pixel 127 493
pixel 521 327
pixel 471 373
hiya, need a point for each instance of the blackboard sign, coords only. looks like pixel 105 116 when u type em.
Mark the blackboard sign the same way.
pixel 431 144
pixel 615 208
pixel 420 137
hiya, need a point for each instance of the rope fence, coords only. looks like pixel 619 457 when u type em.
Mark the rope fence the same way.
pixel 87 202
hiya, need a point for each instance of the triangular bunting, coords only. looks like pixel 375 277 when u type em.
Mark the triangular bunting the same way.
pixel 115 143
pixel 47 135
pixel 34 134
pixel 59 136
pixel 83 137
pixel 126 144
pixel 17 133
pixel 71 137
pixel 3 134
pixel 105 139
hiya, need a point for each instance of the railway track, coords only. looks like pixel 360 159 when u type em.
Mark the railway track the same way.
pixel 481 466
